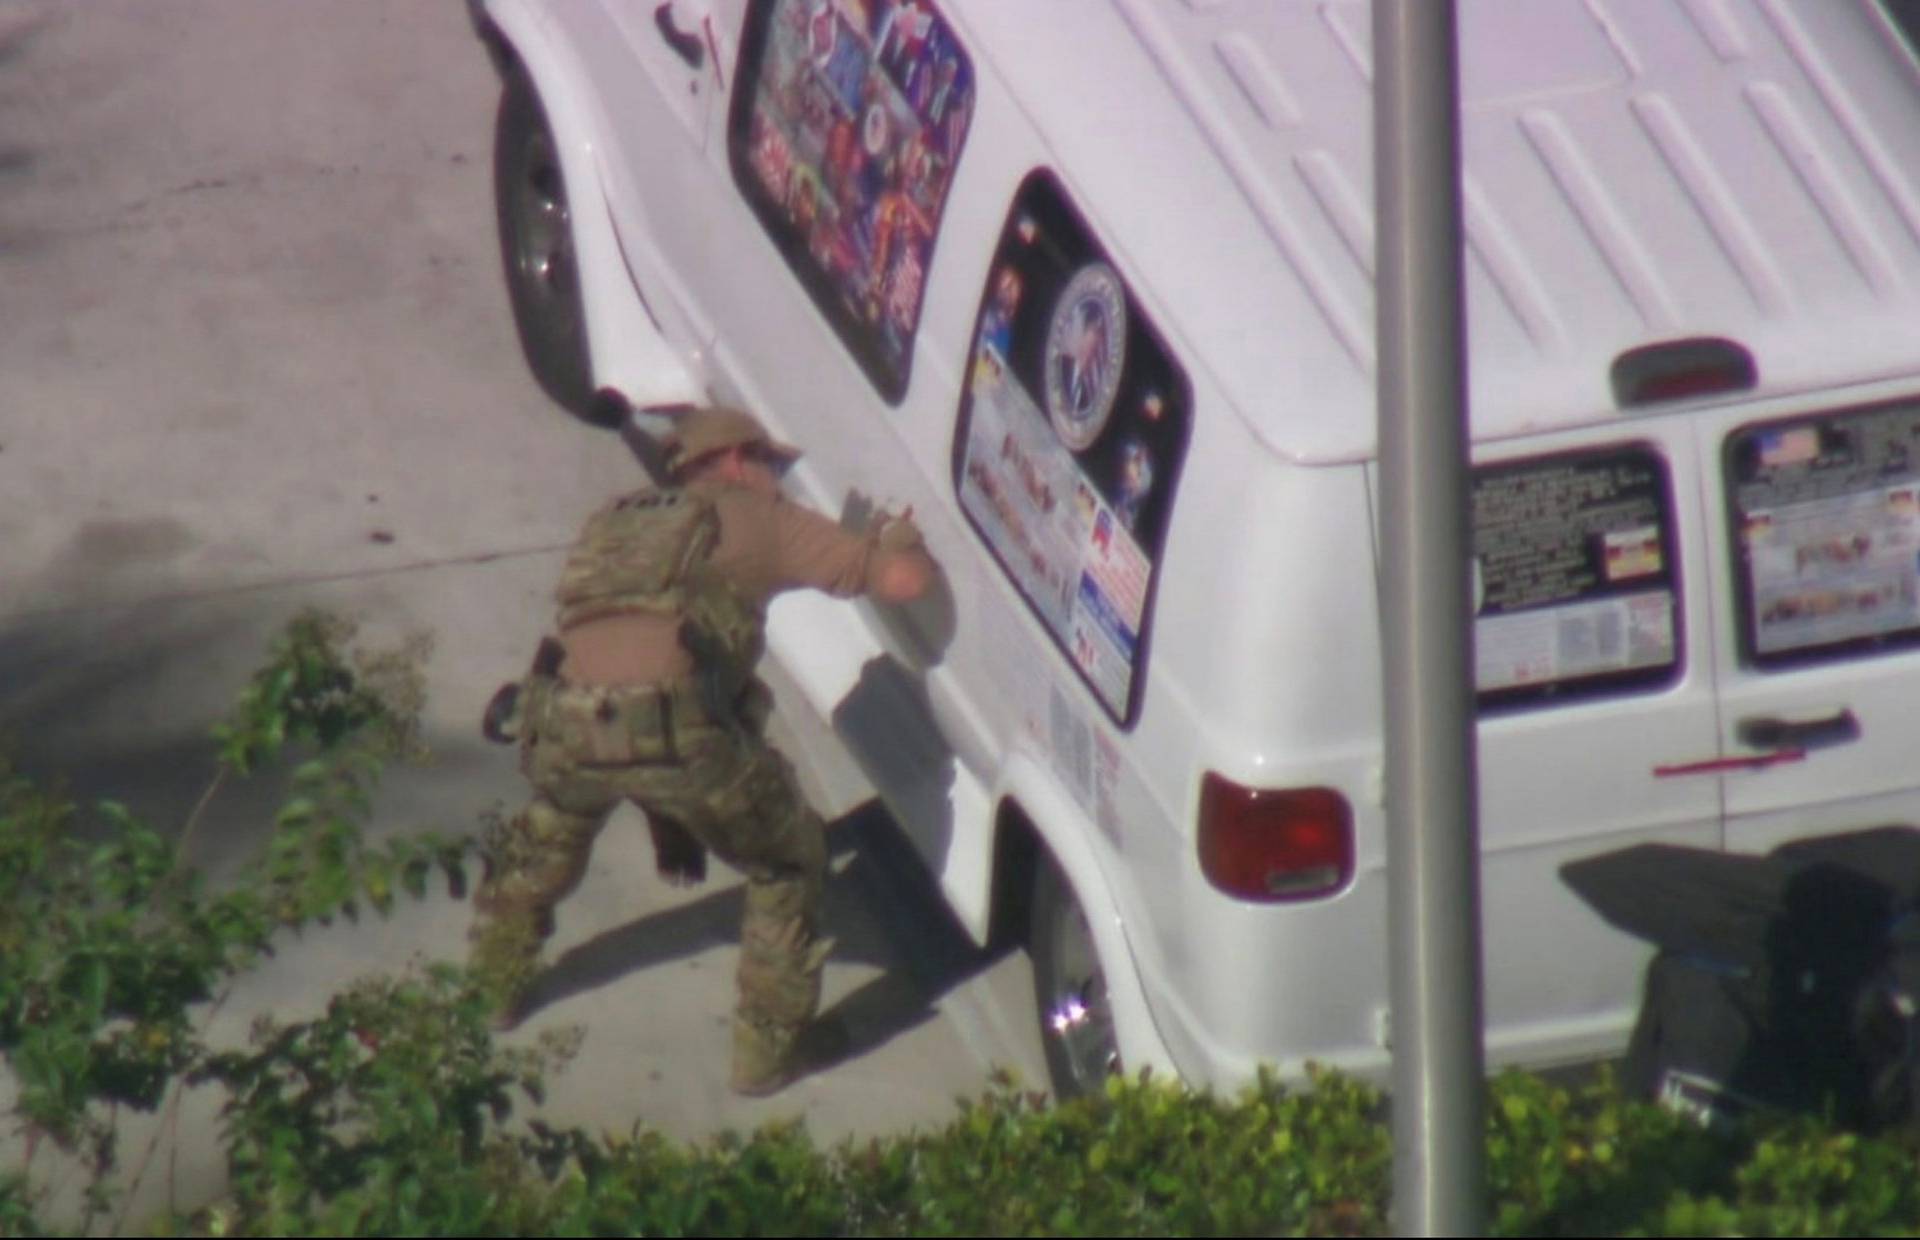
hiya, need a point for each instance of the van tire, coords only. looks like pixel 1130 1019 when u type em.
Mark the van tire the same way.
pixel 537 250
pixel 1069 989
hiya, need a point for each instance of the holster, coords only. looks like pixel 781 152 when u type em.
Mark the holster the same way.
pixel 717 677
pixel 512 704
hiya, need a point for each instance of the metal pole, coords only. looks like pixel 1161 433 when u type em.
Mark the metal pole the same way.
pixel 1433 853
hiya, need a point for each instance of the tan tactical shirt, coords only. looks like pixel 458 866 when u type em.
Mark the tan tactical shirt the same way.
pixel 768 544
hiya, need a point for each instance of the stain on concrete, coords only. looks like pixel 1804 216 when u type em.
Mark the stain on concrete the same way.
pixel 16 34
pixel 110 543
pixel 201 185
pixel 220 415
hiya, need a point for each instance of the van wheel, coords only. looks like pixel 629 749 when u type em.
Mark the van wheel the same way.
pixel 536 248
pixel 1070 989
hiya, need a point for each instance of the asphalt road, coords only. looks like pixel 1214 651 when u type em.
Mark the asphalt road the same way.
pixel 256 355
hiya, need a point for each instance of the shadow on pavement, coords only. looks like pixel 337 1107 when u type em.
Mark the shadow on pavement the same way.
pixel 17 159
pixel 17 33
pixel 118 704
pixel 882 906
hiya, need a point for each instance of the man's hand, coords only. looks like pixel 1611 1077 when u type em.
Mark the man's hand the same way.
pixel 903 570
pixel 899 533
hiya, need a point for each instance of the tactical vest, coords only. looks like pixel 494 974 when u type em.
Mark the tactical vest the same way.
pixel 648 552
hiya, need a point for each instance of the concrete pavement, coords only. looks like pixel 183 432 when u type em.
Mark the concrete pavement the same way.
pixel 255 354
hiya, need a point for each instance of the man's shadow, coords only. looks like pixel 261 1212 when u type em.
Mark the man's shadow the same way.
pixel 882 907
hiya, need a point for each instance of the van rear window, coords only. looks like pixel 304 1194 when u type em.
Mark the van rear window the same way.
pixel 846 125
pixel 1072 432
pixel 1575 589
pixel 1826 519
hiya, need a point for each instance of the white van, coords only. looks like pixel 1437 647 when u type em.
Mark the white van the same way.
pixel 1089 285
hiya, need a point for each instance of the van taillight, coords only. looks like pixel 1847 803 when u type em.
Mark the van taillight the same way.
pixel 1273 844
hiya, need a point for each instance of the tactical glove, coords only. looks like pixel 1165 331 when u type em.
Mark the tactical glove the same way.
pixel 899 534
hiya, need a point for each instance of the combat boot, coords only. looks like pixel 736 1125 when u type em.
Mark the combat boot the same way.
pixel 763 1058
pixel 503 956
pixel 767 1059
pixel 510 1012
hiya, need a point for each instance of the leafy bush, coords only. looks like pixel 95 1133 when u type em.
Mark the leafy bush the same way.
pixel 377 1118
pixel 1149 1158
pixel 109 942
pixel 390 1112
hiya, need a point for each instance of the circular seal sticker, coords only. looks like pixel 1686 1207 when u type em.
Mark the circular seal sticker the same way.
pixel 873 130
pixel 1086 344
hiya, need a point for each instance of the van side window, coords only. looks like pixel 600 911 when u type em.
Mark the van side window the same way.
pixel 1575 581
pixel 845 128
pixel 1071 435
pixel 1826 523
pixel 1905 15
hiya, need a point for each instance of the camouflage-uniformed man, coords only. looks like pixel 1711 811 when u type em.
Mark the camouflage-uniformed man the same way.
pixel 662 619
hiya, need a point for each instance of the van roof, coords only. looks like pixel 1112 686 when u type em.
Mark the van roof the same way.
pixel 1636 171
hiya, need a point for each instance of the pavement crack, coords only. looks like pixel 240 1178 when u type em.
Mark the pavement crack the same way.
pixel 200 185
pixel 285 582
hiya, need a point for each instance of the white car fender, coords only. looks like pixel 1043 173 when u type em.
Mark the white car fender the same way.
pixel 1064 829
pixel 625 346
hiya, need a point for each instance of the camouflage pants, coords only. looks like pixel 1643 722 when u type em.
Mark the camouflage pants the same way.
pixel 587 750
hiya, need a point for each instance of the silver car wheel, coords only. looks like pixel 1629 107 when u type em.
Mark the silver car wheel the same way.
pixel 1070 988
pixel 537 248
pixel 544 240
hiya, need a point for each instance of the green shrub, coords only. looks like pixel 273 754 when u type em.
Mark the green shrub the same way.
pixel 110 944
pixel 390 1113
pixel 1147 1159
pixel 1564 1162
pixel 377 1118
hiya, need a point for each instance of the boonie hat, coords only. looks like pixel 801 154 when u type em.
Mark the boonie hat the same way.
pixel 702 432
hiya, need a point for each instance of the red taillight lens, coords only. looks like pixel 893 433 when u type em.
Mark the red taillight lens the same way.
pixel 1274 844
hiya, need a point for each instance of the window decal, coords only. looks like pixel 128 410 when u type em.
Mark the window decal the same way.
pixel 1575 587
pixel 1086 343
pixel 1073 426
pixel 843 137
pixel 1826 518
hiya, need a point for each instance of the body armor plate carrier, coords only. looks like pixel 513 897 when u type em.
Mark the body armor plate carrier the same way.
pixel 649 551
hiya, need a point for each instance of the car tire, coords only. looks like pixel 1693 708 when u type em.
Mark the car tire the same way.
pixel 1069 989
pixel 536 249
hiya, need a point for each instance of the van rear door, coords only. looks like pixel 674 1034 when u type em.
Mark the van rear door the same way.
pixel 1594 665
pixel 1816 545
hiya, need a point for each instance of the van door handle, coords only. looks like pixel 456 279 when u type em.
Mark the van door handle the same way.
pixel 685 45
pixel 1766 732
pixel 1718 766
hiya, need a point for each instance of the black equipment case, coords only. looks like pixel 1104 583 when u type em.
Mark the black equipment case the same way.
pixel 1790 980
